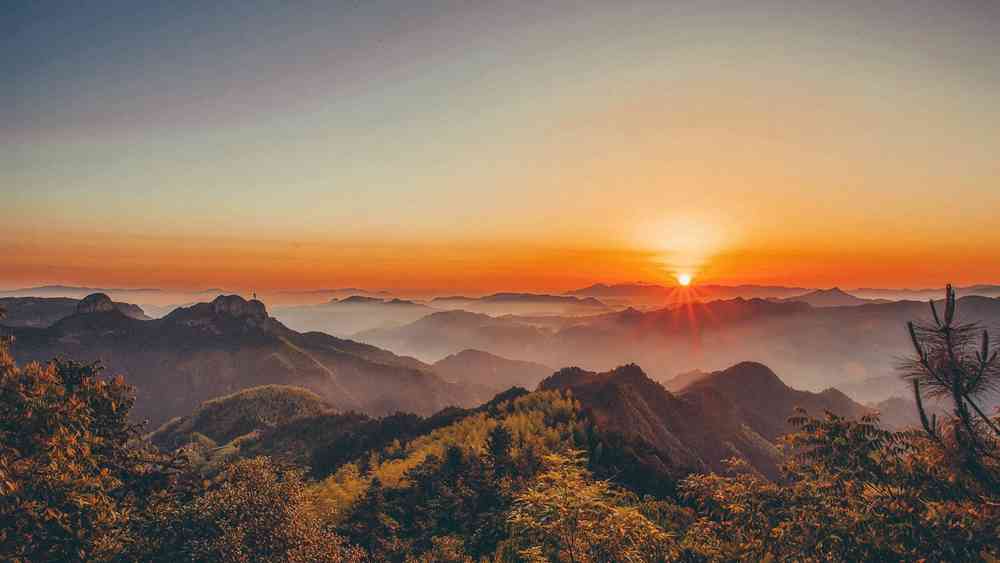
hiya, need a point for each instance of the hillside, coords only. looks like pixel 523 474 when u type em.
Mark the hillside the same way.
pixel 448 332
pixel 212 349
pixel 295 426
pixel 353 314
pixel 739 411
pixel 491 371
pixel 682 380
pixel 762 401
pixel 223 419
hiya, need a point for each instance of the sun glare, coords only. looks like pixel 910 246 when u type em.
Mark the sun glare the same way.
pixel 684 279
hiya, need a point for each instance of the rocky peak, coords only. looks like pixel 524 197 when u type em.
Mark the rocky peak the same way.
pixel 236 306
pixel 95 303
pixel 751 377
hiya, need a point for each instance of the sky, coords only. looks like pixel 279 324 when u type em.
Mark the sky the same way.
pixel 478 146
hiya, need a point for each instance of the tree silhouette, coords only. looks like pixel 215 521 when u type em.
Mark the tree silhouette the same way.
pixel 955 361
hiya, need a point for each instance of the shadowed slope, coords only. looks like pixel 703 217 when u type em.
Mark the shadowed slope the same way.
pixel 737 412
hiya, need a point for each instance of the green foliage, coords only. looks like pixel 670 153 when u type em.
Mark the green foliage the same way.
pixel 854 492
pixel 498 444
pixel 226 418
pixel 566 515
pixel 448 491
pixel 70 477
pixel 368 436
pixel 251 512
pixel 536 423
pixel 955 361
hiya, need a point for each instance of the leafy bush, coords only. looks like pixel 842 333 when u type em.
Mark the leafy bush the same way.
pixel 566 515
pixel 71 476
pixel 251 512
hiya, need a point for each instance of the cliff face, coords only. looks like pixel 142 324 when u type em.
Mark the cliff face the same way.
pixel 95 303
pixel 236 306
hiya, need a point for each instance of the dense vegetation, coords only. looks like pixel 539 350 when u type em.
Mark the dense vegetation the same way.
pixel 525 477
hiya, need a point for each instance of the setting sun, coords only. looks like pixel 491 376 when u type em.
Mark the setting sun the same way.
pixel 684 279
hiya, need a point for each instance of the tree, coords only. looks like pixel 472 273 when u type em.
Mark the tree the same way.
pixel 498 444
pixel 566 515
pixel 70 476
pixel 956 362
pixel 253 511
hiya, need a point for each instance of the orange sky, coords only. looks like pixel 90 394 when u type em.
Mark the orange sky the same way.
pixel 269 265
pixel 520 146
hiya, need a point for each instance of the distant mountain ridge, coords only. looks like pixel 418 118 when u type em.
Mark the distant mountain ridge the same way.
pixel 651 294
pixel 211 349
pixel 46 311
pixel 897 294
pixel 69 291
pixel 448 332
pixel 522 303
pixel 352 314
pixel 833 297
pixel 491 371
pixel 816 347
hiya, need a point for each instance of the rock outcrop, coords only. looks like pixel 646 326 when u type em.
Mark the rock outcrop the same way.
pixel 95 303
pixel 236 306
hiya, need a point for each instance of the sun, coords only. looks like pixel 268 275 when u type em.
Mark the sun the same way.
pixel 684 279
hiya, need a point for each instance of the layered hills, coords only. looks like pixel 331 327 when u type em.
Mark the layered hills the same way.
pixel 491 371
pixel 833 297
pixel 352 314
pixel 522 304
pixel 815 347
pixel 737 412
pixel 211 349
pixel 44 312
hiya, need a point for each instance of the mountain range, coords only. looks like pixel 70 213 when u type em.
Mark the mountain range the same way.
pixel 833 297
pixel 490 371
pixel 239 380
pixel 648 295
pixel 815 347
pixel 352 314
pixel 44 312
pixel 522 304
pixel 852 347
pixel 670 434
pixel 211 349
pixel 737 412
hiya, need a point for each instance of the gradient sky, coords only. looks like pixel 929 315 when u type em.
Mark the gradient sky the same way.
pixel 476 145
